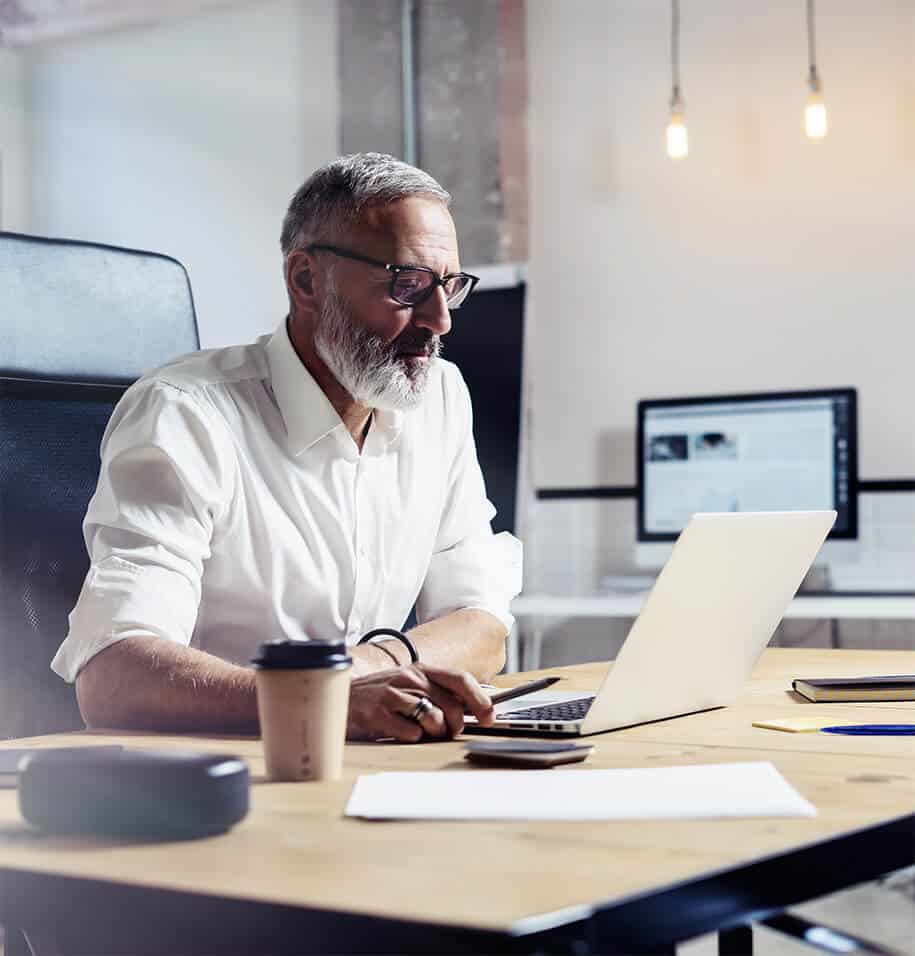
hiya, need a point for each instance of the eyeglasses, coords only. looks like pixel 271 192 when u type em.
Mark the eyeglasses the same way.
pixel 412 285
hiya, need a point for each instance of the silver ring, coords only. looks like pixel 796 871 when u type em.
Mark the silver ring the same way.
pixel 423 706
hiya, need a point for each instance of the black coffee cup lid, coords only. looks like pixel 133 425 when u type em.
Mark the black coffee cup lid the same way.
pixel 301 655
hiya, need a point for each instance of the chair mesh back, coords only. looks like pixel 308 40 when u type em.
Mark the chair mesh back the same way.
pixel 90 313
pixel 49 462
pixel 70 312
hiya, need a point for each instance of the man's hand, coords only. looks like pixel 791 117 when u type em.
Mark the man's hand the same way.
pixel 380 703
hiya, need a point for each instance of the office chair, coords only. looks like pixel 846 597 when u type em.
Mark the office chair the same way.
pixel 78 323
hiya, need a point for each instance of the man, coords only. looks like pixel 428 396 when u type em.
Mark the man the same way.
pixel 315 484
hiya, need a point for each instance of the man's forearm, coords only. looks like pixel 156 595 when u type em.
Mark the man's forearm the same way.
pixel 468 640
pixel 149 683
pixel 152 683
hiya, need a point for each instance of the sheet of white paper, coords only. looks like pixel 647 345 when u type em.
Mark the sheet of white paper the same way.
pixel 654 793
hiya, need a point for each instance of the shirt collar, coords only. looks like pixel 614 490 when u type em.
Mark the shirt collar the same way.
pixel 388 422
pixel 307 412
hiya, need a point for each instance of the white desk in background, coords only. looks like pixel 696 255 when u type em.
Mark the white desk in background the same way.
pixel 534 612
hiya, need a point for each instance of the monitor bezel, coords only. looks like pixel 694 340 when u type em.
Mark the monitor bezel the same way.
pixel 849 534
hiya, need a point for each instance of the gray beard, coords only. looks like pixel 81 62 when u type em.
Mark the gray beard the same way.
pixel 366 367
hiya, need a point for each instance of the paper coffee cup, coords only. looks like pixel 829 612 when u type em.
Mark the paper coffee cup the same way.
pixel 302 703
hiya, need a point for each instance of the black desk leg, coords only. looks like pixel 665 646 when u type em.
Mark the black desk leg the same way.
pixel 736 941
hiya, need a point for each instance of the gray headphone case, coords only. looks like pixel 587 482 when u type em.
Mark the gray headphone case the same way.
pixel 142 794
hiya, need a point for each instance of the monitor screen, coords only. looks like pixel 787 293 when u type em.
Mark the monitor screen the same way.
pixel 783 451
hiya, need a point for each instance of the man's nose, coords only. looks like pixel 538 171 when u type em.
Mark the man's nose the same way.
pixel 433 314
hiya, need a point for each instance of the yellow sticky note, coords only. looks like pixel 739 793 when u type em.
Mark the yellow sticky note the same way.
pixel 794 725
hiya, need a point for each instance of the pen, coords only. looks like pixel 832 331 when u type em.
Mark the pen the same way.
pixel 528 688
pixel 873 730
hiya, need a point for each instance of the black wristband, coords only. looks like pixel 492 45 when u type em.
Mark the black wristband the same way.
pixel 392 632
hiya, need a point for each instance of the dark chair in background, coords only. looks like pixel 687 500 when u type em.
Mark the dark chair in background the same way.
pixel 78 323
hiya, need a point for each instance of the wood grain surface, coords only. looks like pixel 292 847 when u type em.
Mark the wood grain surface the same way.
pixel 296 847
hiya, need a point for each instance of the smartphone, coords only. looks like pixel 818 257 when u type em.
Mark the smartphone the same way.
pixel 526 753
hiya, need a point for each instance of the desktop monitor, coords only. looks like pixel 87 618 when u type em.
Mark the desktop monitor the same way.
pixel 778 451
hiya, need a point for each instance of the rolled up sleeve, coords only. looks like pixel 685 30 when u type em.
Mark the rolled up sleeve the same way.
pixel 165 479
pixel 482 572
pixel 471 568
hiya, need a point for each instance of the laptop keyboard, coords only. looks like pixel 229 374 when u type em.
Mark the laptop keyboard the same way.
pixel 567 710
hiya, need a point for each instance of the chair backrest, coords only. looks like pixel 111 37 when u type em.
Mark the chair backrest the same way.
pixel 49 439
pixel 85 312
pixel 78 323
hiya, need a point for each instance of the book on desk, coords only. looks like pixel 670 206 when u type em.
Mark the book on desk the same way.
pixel 839 689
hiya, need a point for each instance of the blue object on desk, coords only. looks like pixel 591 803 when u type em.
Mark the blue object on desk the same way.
pixel 873 730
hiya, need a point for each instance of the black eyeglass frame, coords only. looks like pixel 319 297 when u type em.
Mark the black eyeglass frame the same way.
pixel 395 271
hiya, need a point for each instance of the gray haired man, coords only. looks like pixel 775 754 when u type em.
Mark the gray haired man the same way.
pixel 316 484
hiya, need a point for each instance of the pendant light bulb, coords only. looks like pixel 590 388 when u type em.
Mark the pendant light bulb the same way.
pixel 677 136
pixel 815 120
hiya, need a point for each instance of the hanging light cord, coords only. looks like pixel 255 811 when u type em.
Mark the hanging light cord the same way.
pixel 811 43
pixel 675 51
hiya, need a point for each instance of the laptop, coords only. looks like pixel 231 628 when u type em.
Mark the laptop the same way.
pixel 708 617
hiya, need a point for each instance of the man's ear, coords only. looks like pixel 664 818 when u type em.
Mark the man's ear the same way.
pixel 303 281
pixel 300 279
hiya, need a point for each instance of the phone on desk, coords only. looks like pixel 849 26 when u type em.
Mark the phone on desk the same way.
pixel 526 753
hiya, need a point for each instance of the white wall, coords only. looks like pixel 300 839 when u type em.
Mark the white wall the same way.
pixel 763 261
pixel 14 162
pixel 189 138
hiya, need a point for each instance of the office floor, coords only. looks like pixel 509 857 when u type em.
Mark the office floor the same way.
pixel 882 912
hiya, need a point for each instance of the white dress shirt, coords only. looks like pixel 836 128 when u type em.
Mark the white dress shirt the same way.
pixel 234 507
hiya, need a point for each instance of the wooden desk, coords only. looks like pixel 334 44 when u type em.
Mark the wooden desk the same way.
pixel 297 876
